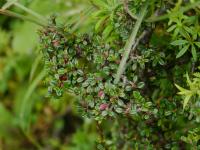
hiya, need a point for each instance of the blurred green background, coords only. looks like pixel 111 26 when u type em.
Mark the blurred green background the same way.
pixel 28 119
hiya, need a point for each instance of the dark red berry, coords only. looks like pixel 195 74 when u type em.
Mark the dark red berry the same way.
pixel 63 78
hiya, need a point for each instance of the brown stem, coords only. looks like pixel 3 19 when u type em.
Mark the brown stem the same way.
pixel 128 10
pixel 102 138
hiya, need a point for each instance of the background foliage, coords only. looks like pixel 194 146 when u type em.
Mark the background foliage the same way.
pixel 130 66
pixel 28 119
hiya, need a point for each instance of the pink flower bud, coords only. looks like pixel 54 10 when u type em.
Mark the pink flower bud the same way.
pixel 56 43
pixel 103 106
pixel 101 94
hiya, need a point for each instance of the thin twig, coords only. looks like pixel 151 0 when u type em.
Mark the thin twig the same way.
pixel 29 11
pixel 8 4
pixel 144 33
pixel 101 134
pixel 193 67
pixel 19 16
pixel 31 140
pixel 82 18
pixel 4 11
pixel 166 16
pixel 128 10
pixel 129 44
pixel 95 6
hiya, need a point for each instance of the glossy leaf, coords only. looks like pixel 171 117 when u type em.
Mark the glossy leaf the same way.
pixel 179 42
pixel 182 51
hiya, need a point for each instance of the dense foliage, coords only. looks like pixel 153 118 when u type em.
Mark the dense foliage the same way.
pixel 131 66
pixel 28 120
pixel 132 86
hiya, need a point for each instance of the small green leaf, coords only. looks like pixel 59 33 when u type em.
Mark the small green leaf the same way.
pixel 61 71
pixel 120 103
pixel 140 85
pixel 136 94
pixel 100 147
pixel 182 51
pixel 107 31
pixel 161 62
pixel 134 66
pixel 100 13
pixel 194 53
pixel 186 100
pixel 184 34
pixel 85 84
pixel 99 24
pixel 189 82
pixel 148 104
pixel 135 78
pixel 101 4
pixel 179 42
pixel 128 88
pixel 104 113
pixel 146 117
pixel 167 113
pixel 119 110
pixel 80 79
pixel 189 30
pixel 171 28
pixel 197 44
pixel 182 90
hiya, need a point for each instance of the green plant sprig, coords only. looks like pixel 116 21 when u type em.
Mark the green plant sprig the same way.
pixel 130 42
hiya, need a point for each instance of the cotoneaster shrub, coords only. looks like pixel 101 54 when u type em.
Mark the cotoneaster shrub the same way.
pixel 123 72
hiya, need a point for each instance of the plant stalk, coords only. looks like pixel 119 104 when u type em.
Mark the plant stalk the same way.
pixel 125 2
pixel 8 4
pixel 166 16
pixel 129 43
pixel 29 11
pixel 19 16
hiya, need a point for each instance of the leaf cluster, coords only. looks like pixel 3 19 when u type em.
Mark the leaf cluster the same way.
pixel 146 111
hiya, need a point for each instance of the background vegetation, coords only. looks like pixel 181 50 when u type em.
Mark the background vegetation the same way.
pixel 126 73
pixel 28 119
